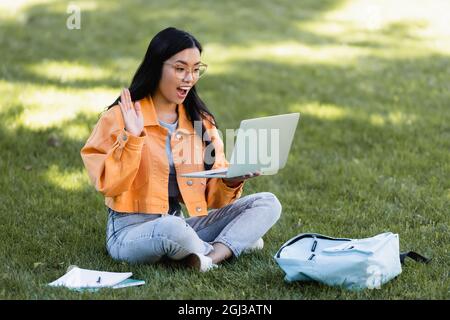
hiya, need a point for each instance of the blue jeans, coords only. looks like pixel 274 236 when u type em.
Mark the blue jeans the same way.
pixel 146 238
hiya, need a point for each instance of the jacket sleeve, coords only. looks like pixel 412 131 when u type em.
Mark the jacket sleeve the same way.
pixel 218 194
pixel 112 155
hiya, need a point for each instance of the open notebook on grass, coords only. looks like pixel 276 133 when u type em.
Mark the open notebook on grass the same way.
pixel 84 279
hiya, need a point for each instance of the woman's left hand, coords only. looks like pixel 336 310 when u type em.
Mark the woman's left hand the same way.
pixel 234 182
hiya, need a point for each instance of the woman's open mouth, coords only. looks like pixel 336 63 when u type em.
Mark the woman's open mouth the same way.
pixel 182 92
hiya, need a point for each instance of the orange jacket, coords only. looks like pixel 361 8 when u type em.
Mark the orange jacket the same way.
pixel 133 172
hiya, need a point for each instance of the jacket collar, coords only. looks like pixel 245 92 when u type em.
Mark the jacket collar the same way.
pixel 151 118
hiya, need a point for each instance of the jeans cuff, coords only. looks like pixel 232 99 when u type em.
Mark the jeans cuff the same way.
pixel 224 241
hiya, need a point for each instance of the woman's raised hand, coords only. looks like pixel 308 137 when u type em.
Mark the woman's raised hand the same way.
pixel 132 116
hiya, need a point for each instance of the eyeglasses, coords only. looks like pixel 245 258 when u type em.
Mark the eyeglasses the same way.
pixel 181 70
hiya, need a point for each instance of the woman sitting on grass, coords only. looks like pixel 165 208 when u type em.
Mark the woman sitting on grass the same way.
pixel 137 152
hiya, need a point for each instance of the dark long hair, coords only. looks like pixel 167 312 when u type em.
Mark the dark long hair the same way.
pixel 164 45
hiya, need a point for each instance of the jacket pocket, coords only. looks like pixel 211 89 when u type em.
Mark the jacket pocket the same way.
pixel 143 173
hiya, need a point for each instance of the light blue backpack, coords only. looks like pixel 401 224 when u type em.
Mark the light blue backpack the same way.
pixel 351 263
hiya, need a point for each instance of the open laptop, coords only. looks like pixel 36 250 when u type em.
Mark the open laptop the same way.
pixel 262 144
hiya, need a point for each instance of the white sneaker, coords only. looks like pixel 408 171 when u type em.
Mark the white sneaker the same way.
pixel 257 245
pixel 200 262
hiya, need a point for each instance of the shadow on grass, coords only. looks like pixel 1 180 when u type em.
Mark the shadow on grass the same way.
pixel 105 37
pixel 43 222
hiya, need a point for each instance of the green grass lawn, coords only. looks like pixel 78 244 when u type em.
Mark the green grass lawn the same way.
pixel 371 153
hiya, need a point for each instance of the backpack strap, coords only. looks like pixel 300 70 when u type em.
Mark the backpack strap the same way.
pixel 413 255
